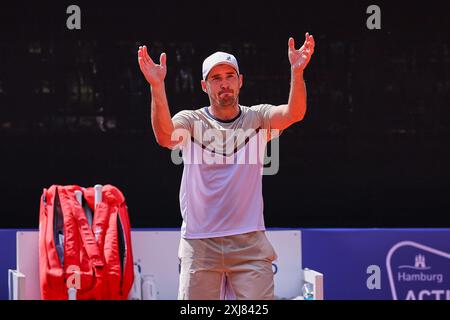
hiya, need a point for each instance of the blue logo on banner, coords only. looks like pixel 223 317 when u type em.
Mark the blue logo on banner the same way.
pixel 418 272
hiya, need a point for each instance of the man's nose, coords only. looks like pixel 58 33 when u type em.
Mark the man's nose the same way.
pixel 224 84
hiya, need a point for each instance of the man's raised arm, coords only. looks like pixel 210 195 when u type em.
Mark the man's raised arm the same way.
pixel 160 114
pixel 284 115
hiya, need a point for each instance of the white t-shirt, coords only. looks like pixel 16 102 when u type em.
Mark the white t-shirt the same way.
pixel 221 187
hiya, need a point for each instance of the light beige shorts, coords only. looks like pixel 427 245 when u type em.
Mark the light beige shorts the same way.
pixel 232 267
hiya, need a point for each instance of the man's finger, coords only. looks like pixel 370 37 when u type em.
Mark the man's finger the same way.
pixel 147 56
pixel 307 59
pixel 163 59
pixel 141 59
pixel 291 44
pixel 306 44
pixel 311 39
pixel 141 62
pixel 141 53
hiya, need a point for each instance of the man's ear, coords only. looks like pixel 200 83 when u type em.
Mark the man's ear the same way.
pixel 241 80
pixel 203 83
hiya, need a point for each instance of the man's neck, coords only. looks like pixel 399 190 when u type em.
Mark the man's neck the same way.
pixel 224 113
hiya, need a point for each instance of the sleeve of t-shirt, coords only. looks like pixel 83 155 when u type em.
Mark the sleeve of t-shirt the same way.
pixel 184 120
pixel 263 111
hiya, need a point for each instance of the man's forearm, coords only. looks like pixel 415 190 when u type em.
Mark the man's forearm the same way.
pixel 160 115
pixel 297 97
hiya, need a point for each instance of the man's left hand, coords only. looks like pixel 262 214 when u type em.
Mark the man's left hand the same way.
pixel 299 59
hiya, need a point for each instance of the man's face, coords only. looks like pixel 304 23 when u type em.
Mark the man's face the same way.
pixel 222 85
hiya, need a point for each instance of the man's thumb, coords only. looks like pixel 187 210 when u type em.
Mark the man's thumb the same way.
pixel 291 43
pixel 163 59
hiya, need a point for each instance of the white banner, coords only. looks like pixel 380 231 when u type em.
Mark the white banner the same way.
pixel 155 253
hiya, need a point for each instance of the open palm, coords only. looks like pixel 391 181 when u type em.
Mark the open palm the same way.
pixel 299 59
pixel 154 73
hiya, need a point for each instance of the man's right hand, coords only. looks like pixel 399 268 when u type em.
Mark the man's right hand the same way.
pixel 154 73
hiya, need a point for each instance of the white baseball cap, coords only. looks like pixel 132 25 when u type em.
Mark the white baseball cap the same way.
pixel 218 58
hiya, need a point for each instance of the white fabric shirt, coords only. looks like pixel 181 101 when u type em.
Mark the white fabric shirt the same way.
pixel 221 187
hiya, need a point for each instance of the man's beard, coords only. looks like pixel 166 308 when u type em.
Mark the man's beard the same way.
pixel 227 99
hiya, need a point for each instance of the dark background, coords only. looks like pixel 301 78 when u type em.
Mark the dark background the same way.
pixel 372 151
